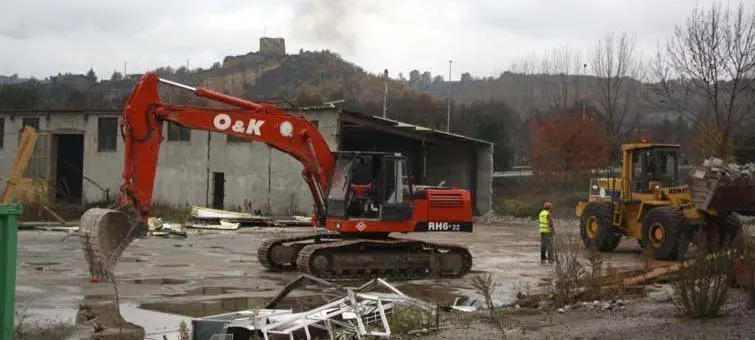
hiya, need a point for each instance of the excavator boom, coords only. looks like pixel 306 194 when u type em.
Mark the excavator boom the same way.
pixel 141 127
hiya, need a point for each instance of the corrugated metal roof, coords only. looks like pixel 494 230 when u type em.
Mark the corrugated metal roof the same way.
pixel 422 129
pixel 396 124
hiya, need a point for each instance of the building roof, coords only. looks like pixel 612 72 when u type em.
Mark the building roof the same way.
pixel 395 124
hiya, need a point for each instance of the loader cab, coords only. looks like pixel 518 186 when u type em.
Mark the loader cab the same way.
pixel 370 186
pixel 651 166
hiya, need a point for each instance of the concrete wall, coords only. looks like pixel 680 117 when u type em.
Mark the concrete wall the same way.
pixel 465 166
pixel 450 163
pixel 185 168
pixel 485 179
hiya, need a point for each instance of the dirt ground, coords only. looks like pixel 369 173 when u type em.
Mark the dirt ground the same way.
pixel 163 281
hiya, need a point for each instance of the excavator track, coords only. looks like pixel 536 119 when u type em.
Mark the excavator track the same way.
pixel 279 254
pixel 332 257
pixel 389 258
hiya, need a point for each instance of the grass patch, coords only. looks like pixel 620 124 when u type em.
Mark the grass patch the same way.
pixel 519 207
pixel 405 318
pixel 169 213
pixel 25 330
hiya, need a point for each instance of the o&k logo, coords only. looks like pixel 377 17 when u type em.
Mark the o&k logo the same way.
pixel 223 121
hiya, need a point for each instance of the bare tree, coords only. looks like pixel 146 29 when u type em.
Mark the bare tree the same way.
pixel 706 72
pixel 526 68
pixel 617 66
pixel 564 63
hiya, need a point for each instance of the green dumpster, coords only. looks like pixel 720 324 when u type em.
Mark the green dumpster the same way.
pixel 8 245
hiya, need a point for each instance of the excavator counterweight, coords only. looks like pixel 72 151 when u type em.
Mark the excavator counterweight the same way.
pixel 359 198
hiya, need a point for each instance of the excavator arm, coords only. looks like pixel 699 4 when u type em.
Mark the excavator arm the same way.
pixel 106 232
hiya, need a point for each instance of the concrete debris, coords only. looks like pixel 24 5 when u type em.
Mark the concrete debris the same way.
pixel 355 312
pixel 660 292
pixel 206 218
pixel 467 304
pixel 201 212
pixel 156 227
pixel 717 168
pixel 611 305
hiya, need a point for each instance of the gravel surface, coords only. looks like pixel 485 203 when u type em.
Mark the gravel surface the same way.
pixel 646 318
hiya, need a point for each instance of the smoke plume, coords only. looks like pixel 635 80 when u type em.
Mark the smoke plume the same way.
pixel 330 22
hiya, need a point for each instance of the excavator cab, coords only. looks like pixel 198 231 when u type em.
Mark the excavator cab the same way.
pixel 369 186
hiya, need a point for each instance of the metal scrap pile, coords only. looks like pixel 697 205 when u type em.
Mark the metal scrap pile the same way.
pixel 350 313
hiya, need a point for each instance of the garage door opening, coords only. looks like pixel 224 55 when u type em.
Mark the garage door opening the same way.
pixel 69 167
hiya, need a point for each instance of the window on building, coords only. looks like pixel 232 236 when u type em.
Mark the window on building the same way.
pixel 178 133
pixel 29 121
pixel 2 132
pixel 38 166
pixel 39 161
pixel 107 134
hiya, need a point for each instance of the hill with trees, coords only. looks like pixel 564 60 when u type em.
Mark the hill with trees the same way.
pixel 676 97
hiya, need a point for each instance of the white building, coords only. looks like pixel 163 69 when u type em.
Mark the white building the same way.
pixel 80 155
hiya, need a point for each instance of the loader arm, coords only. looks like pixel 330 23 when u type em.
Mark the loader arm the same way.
pixel 141 128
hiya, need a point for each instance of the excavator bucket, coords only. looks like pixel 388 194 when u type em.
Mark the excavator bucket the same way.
pixel 105 234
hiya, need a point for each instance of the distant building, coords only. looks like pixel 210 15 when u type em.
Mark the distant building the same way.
pixel 79 158
pixel 274 47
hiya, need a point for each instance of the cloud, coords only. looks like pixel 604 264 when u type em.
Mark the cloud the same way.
pixel 482 37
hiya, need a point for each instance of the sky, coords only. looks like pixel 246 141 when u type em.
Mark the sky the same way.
pixel 44 37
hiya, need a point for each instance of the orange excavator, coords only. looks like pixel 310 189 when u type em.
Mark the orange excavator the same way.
pixel 360 198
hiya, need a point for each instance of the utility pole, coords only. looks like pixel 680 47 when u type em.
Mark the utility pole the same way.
pixel 448 114
pixel 385 94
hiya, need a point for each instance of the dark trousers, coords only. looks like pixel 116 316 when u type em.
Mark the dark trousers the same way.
pixel 546 246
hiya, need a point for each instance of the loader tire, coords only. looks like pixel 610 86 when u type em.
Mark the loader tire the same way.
pixel 596 229
pixel 663 233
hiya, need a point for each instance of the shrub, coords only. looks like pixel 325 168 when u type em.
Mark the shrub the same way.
pixel 405 318
pixel 702 288
pixel 568 271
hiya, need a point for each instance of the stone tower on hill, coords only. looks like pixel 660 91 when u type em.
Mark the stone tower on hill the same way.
pixel 273 47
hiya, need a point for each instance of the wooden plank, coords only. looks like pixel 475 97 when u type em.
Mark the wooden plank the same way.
pixel 25 149
pixel 53 214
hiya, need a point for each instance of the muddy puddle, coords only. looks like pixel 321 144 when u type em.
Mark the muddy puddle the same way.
pixel 429 293
pixel 187 304
pixel 201 308
pixel 157 281
pixel 211 291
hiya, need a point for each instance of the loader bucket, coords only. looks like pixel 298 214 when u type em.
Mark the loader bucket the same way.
pixel 724 196
pixel 733 197
pixel 105 234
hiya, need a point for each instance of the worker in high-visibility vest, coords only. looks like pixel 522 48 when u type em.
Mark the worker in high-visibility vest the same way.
pixel 545 222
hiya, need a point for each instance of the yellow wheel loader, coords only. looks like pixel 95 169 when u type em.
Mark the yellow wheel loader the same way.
pixel 648 203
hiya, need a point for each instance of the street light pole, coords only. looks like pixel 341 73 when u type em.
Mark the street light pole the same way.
pixel 448 114
pixel 385 94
